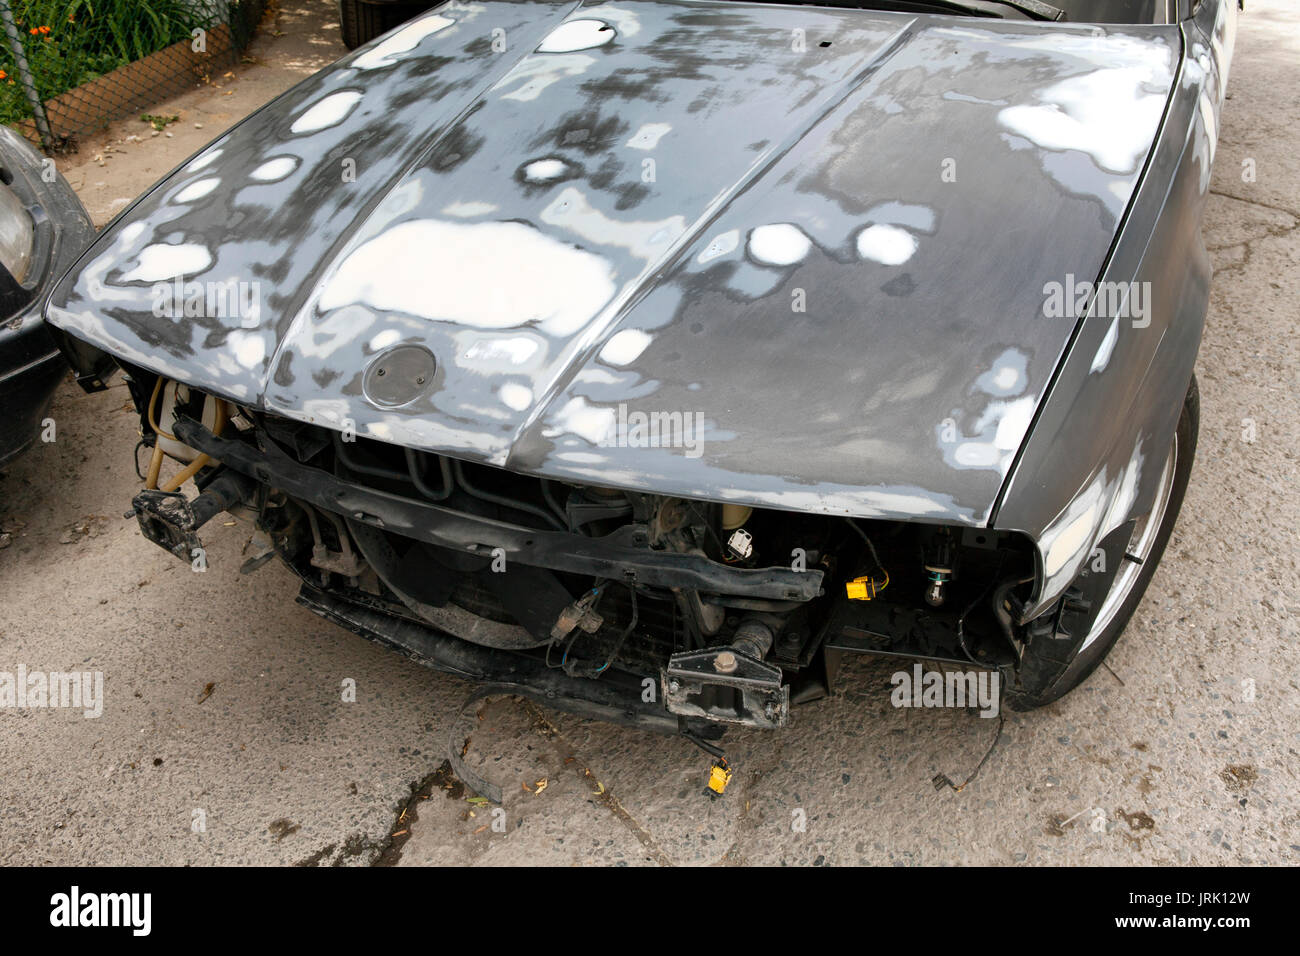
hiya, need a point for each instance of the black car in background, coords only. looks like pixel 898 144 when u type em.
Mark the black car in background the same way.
pixel 43 228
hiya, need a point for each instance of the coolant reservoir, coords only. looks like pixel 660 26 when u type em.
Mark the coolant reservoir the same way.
pixel 167 402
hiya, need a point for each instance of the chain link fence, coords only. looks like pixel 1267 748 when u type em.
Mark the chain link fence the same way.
pixel 69 67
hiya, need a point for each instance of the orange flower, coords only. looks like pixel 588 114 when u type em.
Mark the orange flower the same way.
pixel 34 30
pixel 44 29
pixel 3 74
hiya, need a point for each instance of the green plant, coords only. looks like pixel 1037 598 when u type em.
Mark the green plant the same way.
pixel 158 122
pixel 70 42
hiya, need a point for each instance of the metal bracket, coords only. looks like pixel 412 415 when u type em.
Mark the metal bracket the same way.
pixel 170 521
pixel 721 684
pixel 167 520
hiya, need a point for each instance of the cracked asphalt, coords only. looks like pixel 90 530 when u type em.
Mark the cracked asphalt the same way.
pixel 224 704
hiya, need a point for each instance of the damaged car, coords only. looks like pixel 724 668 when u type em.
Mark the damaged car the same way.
pixel 649 357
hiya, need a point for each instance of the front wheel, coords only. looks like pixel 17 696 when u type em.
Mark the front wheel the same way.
pixel 1043 675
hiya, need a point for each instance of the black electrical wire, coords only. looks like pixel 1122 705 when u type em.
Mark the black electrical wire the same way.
pixel 551 500
pixel 941 780
pixel 708 526
pixel 870 547
pixel 622 637
pixel 704 745
pixel 983 595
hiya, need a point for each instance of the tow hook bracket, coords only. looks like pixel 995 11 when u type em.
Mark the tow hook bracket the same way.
pixel 723 684
pixel 167 520
pixel 170 521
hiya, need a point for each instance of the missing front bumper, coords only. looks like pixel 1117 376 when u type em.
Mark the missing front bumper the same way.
pixel 622 556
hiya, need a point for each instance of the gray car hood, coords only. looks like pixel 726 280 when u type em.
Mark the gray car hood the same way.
pixel 817 240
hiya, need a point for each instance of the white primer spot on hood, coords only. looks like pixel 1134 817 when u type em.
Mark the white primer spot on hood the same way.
pixel 403 41
pixel 1006 378
pixel 648 136
pixel 469 210
pixel 249 347
pixel 497 352
pixel 330 111
pixel 384 339
pixel 545 170
pixel 1008 421
pixel 644 239
pixel 204 161
pixel 589 422
pixel 1107 114
pixel 160 262
pixel 977 454
pixel 274 169
pixel 577 35
pixel 720 245
pixel 333 411
pixel 886 244
pixel 779 244
pixel 597 376
pixel 197 190
pixel 532 75
pixel 487 275
pixel 624 347
pixel 1014 423
pixel 515 396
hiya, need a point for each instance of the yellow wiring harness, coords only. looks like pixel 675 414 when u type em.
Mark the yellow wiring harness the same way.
pixel 155 463
pixel 865 588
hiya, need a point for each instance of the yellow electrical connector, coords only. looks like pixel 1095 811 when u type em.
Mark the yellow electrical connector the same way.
pixel 864 588
pixel 719 776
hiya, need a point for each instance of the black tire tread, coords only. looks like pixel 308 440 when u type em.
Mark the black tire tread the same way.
pixel 361 22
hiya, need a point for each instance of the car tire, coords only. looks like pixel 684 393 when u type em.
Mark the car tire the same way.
pixel 360 22
pixel 1042 676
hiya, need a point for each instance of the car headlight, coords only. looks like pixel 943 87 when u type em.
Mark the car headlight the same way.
pixel 15 235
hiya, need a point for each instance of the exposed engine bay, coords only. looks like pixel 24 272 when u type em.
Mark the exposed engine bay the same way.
pixel 658 611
